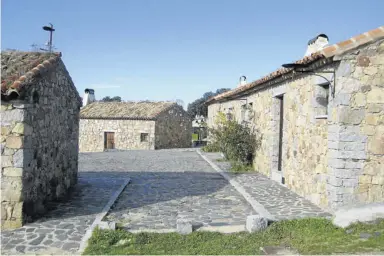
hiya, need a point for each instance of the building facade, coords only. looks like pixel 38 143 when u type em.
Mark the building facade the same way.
pixel 322 137
pixel 39 134
pixel 133 125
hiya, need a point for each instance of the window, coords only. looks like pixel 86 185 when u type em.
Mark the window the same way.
pixel 244 113
pixel 322 100
pixel 143 137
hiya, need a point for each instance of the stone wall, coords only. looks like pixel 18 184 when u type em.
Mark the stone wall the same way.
pixel 127 134
pixel 333 152
pixel 304 157
pixel 39 146
pixel 356 128
pixel 173 129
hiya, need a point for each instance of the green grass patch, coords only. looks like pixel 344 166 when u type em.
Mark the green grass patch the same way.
pixel 308 236
pixel 239 167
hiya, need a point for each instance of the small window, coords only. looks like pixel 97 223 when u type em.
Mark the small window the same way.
pixel 144 137
pixel 243 112
pixel 322 99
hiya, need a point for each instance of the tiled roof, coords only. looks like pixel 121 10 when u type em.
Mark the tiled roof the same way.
pixel 144 110
pixel 19 68
pixel 327 52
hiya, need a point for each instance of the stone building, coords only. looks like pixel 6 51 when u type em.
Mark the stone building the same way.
pixel 322 137
pixel 39 134
pixel 133 125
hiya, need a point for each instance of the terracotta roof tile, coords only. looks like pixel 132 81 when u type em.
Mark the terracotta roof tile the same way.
pixel 327 52
pixel 17 68
pixel 145 110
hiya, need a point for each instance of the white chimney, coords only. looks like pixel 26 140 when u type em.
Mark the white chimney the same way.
pixel 316 44
pixel 243 81
pixel 89 97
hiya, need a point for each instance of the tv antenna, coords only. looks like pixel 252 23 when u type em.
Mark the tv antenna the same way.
pixel 50 29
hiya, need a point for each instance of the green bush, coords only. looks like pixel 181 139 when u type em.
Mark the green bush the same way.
pixel 238 142
pixel 211 147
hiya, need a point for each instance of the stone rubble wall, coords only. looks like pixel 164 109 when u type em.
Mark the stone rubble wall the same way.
pixel 39 146
pixel 356 128
pixel 173 129
pixel 127 134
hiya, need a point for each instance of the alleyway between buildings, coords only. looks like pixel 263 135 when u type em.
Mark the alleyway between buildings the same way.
pixel 165 185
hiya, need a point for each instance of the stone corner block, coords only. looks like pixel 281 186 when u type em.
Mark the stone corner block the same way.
pixel 347 215
pixel 107 225
pixel 256 223
pixel 183 226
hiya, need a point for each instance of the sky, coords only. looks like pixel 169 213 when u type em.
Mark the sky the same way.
pixel 179 49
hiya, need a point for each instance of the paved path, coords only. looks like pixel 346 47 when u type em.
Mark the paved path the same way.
pixel 281 202
pixel 167 185
pixel 61 230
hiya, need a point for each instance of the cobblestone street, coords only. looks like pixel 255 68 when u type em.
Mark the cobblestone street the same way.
pixel 165 185
pixel 61 230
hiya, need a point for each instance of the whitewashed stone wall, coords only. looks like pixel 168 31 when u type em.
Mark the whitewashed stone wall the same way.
pixel 127 134
pixel 39 147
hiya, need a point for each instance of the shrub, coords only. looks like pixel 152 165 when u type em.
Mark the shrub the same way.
pixel 238 142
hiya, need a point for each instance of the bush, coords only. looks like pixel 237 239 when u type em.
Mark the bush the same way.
pixel 238 142
pixel 211 147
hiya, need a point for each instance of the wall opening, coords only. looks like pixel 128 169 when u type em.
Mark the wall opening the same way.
pixel 144 137
pixel 281 125
pixel 109 140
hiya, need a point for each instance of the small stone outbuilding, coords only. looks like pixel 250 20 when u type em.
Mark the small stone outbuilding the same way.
pixel 39 134
pixel 133 125
pixel 322 137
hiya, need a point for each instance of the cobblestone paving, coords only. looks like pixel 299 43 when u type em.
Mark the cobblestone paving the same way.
pixel 62 228
pixel 278 200
pixel 167 185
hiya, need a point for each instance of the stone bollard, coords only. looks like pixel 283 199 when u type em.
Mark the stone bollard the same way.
pixel 256 223
pixel 184 226
pixel 107 225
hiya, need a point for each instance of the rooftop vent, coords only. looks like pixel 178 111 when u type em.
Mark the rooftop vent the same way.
pixel 316 44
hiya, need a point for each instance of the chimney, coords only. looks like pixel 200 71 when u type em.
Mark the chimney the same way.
pixel 243 81
pixel 89 97
pixel 316 44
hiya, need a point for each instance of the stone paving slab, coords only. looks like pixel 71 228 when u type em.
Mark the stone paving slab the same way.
pixel 166 185
pixel 281 202
pixel 61 230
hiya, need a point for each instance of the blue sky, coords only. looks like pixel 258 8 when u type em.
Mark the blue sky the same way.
pixel 179 49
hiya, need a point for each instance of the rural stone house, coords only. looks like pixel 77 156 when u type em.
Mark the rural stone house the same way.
pixel 322 137
pixel 39 134
pixel 133 125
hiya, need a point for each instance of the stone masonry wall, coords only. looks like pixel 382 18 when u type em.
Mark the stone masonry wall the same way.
pixel 173 129
pixel 39 146
pixel 127 134
pixel 356 129
pixel 304 136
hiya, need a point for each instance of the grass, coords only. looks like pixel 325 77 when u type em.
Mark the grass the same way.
pixel 308 236
pixel 238 167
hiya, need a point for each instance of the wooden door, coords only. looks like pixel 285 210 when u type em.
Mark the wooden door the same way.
pixel 109 140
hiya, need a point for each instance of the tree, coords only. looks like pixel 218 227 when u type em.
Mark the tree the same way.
pixel 198 107
pixel 109 99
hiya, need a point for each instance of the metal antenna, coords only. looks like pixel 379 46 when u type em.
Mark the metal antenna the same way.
pixel 50 29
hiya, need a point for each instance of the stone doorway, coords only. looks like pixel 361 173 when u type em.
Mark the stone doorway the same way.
pixel 109 140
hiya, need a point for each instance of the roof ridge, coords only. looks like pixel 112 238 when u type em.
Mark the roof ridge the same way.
pixel 18 83
pixel 327 52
